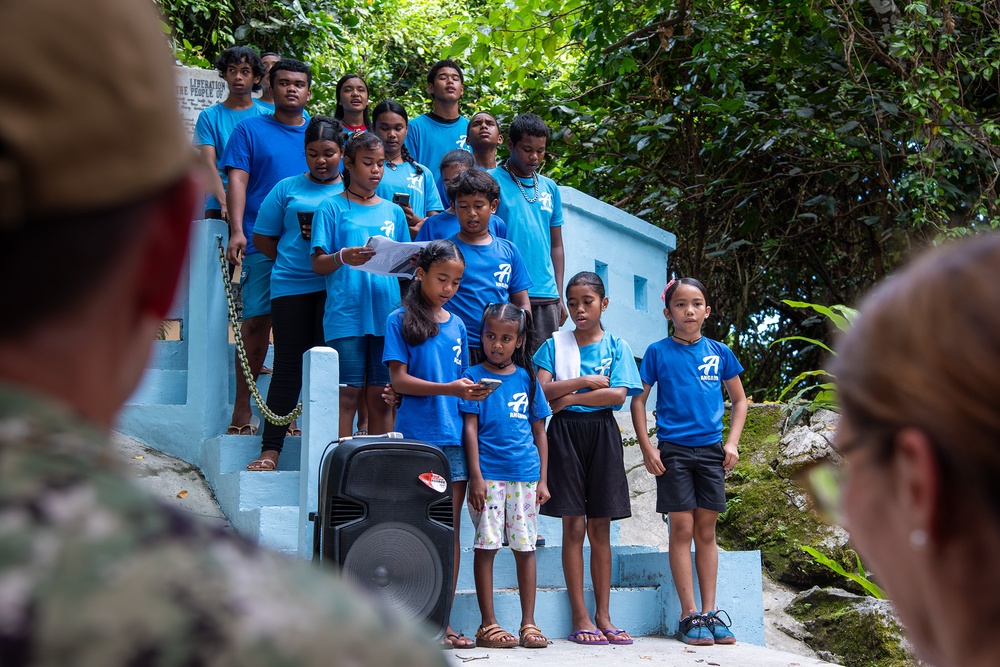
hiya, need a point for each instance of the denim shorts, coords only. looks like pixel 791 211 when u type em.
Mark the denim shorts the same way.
pixel 361 360
pixel 456 462
pixel 255 285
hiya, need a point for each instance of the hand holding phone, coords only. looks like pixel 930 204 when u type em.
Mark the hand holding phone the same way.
pixel 490 383
pixel 401 198
pixel 305 223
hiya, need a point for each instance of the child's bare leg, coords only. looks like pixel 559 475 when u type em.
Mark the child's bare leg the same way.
pixel 599 534
pixel 457 505
pixel 349 399
pixel 574 531
pixel 681 534
pixel 524 561
pixel 380 415
pixel 706 556
pixel 482 567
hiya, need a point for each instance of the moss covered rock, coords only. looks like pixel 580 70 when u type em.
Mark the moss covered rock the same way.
pixel 856 631
pixel 768 511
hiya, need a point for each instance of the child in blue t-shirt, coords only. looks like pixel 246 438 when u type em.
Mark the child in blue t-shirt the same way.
pixel 406 183
pixel 358 302
pixel 444 225
pixel 426 355
pixel 242 69
pixel 506 452
pixel 586 374
pixel 691 459
pixel 298 295
pixel 531 205
pixel 494 271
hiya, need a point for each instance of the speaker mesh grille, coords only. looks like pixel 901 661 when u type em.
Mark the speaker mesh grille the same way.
pixel 399 566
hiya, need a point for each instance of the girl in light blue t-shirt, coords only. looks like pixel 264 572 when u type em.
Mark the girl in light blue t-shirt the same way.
pixel 298 295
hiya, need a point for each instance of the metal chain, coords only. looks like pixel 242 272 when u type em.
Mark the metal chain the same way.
pixel 242 352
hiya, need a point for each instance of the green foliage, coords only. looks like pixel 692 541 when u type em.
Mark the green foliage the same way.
pixel 799 150
pixel 860 577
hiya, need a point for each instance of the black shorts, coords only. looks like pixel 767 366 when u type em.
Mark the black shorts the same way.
pixel 694 478
pixel 586 467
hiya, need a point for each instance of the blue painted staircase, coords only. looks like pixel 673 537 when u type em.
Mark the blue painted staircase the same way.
pixel 184 404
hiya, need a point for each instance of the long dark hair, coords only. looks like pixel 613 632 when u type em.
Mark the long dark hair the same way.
pixel 338 112
pixel 324 128
pixel 508 312
pixel 358 141
pixel 392 106
pixel 418 320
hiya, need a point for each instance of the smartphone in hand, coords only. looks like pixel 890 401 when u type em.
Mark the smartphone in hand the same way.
pixel 401 198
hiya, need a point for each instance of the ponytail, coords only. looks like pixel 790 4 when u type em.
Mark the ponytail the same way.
pixel 418 319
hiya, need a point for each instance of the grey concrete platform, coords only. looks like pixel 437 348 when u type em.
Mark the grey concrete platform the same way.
pixel 645 651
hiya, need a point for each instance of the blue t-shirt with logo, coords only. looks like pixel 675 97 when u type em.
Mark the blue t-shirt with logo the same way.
pixel 492 273
pixel 444 225
pixel 609 356
pixel 429 139
pixel 441 358
pixel 268 151
pixel 357 302
pixel 529 226
pixel 421 187
pixel 214 127
pixel 507 451
pixel 278 216
pixel 689 389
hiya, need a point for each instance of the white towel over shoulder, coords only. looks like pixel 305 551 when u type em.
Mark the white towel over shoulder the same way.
pixel 567 355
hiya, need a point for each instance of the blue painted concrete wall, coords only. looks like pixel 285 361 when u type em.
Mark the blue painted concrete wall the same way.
pixel 631 257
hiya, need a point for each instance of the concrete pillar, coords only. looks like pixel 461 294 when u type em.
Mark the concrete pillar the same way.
pixel 320 426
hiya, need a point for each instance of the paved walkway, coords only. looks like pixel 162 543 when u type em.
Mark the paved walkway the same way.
pixel 652 651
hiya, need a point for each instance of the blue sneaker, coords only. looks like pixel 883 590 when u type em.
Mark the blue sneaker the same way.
pixel 694 630
pixel 719 628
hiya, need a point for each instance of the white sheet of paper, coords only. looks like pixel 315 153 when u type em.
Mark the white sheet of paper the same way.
pixel 392 258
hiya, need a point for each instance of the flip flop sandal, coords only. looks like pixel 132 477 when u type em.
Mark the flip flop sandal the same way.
pixel 493 636
pixel 459 641
pixel 263 464
pixel 612 635
pixel 575 638
pixel 532 637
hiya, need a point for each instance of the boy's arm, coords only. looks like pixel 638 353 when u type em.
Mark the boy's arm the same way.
pixel 650 454
pixel 738 417
pixel 521 300
pixel 208 159
pixel 558 266
pixel 594 398
pixel 236 200
pixel 470 441
pixel 542 443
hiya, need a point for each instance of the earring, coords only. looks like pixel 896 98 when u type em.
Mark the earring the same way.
pixel 918 539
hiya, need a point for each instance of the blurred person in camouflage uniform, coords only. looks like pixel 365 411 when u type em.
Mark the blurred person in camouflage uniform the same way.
pixel 96 197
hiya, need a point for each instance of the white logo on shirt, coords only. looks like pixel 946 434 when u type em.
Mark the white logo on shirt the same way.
pixel 545 200
pixel 458 351
pixel 519 406
pixel 416 182
pixel 503 275
pixel 388 227
pixel 461 143
pixel 709 369
pixel 605 366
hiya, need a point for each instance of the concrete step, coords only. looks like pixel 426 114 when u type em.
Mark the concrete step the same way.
pixel 635 609
pixel 245 490
pixel 233 452
pixel 160 387
pixel 548 566
pixel 278 528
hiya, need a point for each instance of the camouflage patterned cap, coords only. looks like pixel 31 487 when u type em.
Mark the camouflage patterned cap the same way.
pixel 88 113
